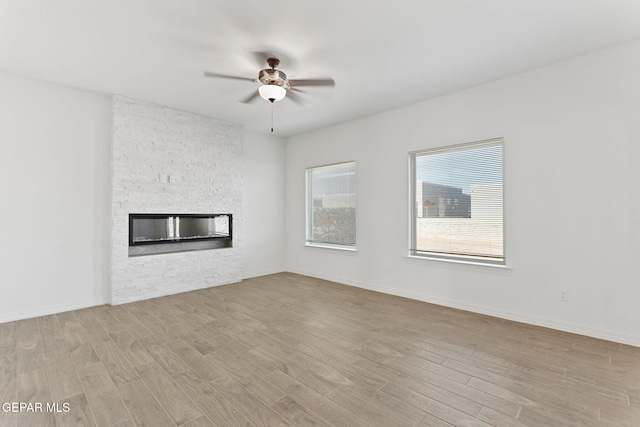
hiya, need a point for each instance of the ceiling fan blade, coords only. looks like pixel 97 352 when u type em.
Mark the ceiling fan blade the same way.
pixel 294 97
pixel 312 82
pixel 226 76
pixel 250 98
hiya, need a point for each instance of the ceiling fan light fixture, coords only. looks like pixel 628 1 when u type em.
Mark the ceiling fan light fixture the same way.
pixel 272 93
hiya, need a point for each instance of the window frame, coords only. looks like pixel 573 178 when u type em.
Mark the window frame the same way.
pixel 413 251
pixel 309 207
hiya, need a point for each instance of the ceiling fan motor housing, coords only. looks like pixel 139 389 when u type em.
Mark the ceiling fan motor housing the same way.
pixel 271 76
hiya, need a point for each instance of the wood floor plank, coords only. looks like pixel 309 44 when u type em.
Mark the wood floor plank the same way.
pixel 444 385
pixel 144 409
pixel 159 328
pixel 421 368
pixel 33 388
pixel 244 340
pixel 431 421
pixel 199 422
pixel 8 370
pixel 192 314
pixel 77 340
pixel 51 334
pixel 234 317
pixel 385 411
pixel 131 348
pixel 79 414
pixel 102 396
pixel 8 377
pixel 297 414
pixel 404 346
pixel 214 406
pixel 500 392
pixel 564 389
pixel 554 403
pixel 116 363
pixel 126 423
pixel 9 419
pixel 132 325
pixel 92 326
pixel 286 349
pixel 169 361
pixel 326 408
pixel 542 417
pixel 620 416
pixel 203 366
pixel 106 319
pixel 475 367
pixel 624 380
pixel 496 418
pixel 446 407
pixel 341 360
pixel 205 345
pixel 29 349
pixel 256 411
pixel 306 369
pixel 62 375
pixel 432 342
pixel 8 337
pixel 255 384
pixel 170 396
pixel 519 361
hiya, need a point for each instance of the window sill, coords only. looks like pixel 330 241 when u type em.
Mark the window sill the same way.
pixel 328 246
pixel 461 262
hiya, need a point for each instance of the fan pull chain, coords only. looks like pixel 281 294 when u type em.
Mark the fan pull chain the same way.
pixel 271 116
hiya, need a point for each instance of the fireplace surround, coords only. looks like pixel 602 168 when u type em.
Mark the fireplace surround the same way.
pixel 164 233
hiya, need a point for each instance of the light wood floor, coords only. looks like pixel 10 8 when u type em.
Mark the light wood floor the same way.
pixel 295 351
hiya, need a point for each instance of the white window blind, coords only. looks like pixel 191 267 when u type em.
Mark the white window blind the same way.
pixel 457 200
pixel 331 204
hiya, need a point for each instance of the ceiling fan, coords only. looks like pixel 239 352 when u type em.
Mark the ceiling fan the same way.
pixel 275 85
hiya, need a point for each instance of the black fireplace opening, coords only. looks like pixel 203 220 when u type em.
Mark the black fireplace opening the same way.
pixel 162 233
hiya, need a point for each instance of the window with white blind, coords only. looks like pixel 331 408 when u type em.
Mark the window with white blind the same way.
pixel 457 202
pixel 331 205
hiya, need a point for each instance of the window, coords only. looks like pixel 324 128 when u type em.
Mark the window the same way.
pixel 457 202
pixel 331 205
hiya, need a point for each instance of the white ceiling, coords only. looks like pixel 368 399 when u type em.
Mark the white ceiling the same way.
pixel 381 54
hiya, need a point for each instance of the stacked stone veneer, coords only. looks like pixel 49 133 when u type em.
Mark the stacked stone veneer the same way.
pixel 170 161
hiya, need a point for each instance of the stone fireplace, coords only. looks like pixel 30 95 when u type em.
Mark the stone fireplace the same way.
pixel 166 160
pixel 165 233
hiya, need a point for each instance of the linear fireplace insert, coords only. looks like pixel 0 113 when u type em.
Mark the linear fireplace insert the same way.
pixel 163 233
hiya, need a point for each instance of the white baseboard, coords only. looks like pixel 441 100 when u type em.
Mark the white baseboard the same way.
pixel 52 310
pixel 503 314
pixel 252 274
pixel 166 292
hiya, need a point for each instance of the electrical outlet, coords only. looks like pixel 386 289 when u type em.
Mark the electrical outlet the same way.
pixel 563 295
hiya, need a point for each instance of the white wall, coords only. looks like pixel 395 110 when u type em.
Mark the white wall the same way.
pixel 54 198
pixel 56 147
pixel 263 204
pixel 571 134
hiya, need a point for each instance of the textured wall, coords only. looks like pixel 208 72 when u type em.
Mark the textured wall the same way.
pixel 169 161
